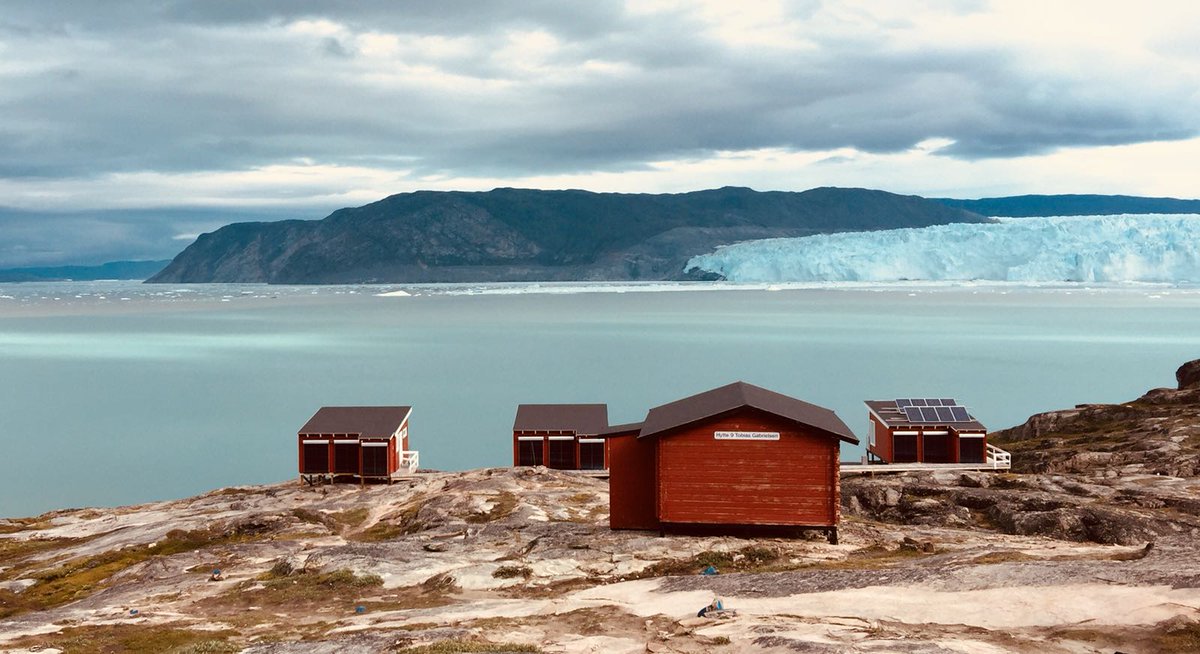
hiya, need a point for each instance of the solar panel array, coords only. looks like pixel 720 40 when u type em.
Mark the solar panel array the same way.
pixel 933 410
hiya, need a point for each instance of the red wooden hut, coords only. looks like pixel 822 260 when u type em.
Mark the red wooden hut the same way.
pixel 924 430
pixel 356 443
pixel 563 436
pixel 735 456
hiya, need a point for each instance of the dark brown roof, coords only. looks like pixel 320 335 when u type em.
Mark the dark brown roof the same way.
pixel 620 429
pixel 366 421
pixel 892 417
pixel 737 395
pixel 579 418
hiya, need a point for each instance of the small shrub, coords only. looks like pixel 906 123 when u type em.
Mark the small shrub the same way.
pixel 510 571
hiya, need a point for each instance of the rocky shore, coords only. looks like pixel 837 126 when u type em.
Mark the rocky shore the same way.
pixel 1095 555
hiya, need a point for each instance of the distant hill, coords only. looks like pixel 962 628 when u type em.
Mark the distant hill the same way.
pixel 1024 206
pixel 525 235
pixel 110 270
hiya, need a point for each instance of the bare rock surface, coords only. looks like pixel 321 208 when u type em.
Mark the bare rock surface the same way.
pixel 523 558
pixel 1092 545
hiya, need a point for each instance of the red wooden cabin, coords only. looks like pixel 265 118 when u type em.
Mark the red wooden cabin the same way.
pixel 924 430
pixel 356 443
pixel 562 436
pixel 735 456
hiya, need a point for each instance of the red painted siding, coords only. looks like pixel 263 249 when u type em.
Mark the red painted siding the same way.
pixel 631 486
pixel 791 481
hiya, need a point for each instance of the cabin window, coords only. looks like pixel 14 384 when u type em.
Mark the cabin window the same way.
pixel 316 458
pixel 374 461
pixel 529 452
pixel 562 454
pixel 871 431
pixel 904 448
pixel 939 448
pixel 591 455
pixel 345 458
pixel 971 450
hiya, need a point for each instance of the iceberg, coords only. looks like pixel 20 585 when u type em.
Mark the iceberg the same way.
pixel 1122 248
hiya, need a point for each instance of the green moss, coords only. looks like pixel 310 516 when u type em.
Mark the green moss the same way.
pixel 401 523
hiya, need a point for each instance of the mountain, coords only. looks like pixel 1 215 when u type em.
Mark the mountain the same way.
pixel 110 270
pixel 518 234
pixel 1072 205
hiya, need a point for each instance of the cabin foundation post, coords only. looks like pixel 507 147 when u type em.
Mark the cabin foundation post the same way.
pixel 831 535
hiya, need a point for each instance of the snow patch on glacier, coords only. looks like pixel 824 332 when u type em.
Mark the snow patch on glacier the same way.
pixel 1124 248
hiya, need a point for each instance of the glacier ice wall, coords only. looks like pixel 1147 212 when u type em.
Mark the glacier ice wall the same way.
pixel 1142 248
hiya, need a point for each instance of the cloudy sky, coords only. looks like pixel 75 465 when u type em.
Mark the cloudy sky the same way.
pixel 127 127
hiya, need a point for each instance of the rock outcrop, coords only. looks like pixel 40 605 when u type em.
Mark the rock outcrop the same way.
pixel 1158 433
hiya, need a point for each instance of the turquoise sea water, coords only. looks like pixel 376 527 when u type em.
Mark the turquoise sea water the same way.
pixel 116 392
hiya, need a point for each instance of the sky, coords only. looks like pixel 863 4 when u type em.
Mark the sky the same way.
pixel 128 127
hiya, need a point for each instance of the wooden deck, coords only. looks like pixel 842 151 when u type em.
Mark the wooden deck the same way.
pixel 997 460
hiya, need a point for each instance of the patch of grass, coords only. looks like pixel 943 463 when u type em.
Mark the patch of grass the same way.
pixel 13 551
pixel 282 568
pixel 751 558
pixel 511 571
pixel 402 523
pixel 503 504
pixel 582 498
pixel 80 577
pixel 298 589
pixel 876 556
pixel 720 640
pixel 1006 556
pixel 111 639
pixel 349 518
pixel 458 646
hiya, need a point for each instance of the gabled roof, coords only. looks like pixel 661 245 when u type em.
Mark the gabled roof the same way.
pixel 737 395
pixel 366 421
pixel 580 418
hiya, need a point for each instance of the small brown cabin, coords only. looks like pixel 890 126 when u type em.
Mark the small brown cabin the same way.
pixel 924 430
pixel 735 456
pixel 356 443
pixel 562 436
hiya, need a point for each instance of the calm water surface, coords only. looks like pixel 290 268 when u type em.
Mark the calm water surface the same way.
pixel 115 392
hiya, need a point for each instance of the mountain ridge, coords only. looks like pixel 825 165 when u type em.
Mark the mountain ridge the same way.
pixel 511 234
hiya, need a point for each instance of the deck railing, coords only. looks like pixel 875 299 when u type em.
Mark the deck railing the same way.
pixel 410 459
pixel 998 458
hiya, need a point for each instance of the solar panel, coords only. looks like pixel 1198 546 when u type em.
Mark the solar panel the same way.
pixel 903 403
pixel 913 414
pixel 944 414
pixel 949 401
pixel 960 414
pixel 929 414
pixel 918 402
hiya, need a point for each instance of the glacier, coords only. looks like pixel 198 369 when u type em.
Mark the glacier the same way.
pixel 1121 248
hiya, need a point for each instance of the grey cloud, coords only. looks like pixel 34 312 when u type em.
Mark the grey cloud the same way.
pixel 204 85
